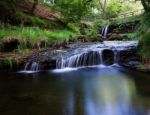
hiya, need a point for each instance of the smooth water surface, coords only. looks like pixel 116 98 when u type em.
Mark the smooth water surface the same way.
pixel 84 91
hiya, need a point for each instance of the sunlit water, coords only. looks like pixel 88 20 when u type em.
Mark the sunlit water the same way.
pixel 84 91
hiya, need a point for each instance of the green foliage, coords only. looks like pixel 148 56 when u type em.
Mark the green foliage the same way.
pixel 74 27
pixel 33 35
pixel 131 36
pixel 100 23
pixel 91 33
pixel 144 26
pixel 114 8
pixel 145 45
pixel 72 10
pixel 128 19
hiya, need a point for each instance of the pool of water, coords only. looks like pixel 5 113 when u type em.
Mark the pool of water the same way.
pixel 84 91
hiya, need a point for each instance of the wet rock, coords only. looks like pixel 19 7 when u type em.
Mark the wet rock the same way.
pixel 127 55
pixel 46 59
pixel 115 36
pixel 83 38
pixel 128 27
pixel 97 38
pixel 108 57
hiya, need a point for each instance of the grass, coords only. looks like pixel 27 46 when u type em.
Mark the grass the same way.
pixel 34 35
pixel 131 36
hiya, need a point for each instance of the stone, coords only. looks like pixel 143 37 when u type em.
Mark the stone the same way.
pixel 115 36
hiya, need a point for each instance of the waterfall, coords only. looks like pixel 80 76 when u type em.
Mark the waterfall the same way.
pixel 101 54
pixel 107 53
pixel 116 56
pixel 83 59
pixel 34 66
pixel 104 31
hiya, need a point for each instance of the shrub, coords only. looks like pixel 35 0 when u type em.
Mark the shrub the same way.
pixel 74 27
pixel 100 23
pixel 145 45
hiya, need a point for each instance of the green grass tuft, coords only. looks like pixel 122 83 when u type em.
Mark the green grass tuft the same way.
pixel 34 35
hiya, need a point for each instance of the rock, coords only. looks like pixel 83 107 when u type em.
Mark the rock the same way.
pixel 82 38
pixel 115 36
pixel 128 55
pixel 108 57
pixel 97 38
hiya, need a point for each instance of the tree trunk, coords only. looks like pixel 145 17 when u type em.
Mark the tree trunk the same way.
pixel 146 7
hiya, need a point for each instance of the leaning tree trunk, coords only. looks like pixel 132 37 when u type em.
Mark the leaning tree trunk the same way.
pixel 145 5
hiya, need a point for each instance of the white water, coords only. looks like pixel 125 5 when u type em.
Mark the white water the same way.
pixel 105 31
pixel 92 55
pixel 88 56
pixel 31 68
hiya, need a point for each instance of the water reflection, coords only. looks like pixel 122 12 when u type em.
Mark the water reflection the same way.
pixel 86 91
pixel 109 94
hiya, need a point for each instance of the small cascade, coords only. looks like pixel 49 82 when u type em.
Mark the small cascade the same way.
pixel 105 30
pixel 116 56
pixel 85 59
pixel 26 66
pixel 105 54
pixel 34 66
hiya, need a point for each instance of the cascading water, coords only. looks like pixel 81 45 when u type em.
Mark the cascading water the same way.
pixel 116 56
pixel 34 66
pixel 93 55
pixel 101 54
pixel 105 30
pixel 83 59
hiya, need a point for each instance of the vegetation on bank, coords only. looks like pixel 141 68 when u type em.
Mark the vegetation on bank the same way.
pixel 34 35
pixel 144 38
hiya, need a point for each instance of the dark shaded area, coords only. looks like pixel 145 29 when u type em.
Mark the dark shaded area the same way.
pixel 108 57
pixel 10 45
pixel 126 56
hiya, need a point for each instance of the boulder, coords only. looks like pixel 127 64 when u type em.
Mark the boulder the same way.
pixel 128 55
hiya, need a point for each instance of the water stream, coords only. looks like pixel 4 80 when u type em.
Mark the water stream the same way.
pixel 81 85
pixel 93 54
pixel 104 31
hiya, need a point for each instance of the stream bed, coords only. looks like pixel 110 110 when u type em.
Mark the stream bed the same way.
pixel 110 90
